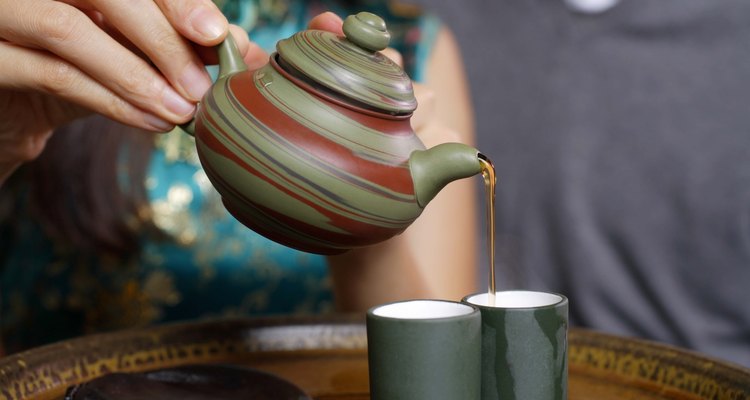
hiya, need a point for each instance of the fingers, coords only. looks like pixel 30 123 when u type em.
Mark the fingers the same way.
pixel 71 35
pixel 148 28
pixel 424 121
pixel 28 69
pixel 255 57
pixel 394 55
pixel 327 21
pixel 252 54
pixel 425 111
pixel 198 20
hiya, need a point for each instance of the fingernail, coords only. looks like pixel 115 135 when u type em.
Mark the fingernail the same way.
pixel 195 81
pixel 208 22
pixel 157 123
pixel 176 103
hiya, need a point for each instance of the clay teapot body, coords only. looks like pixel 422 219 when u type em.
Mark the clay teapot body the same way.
pixel 314 150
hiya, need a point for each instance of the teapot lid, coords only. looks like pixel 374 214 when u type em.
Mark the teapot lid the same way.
pixel 352 65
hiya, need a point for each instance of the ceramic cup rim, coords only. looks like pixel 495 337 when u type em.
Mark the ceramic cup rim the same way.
pixel 554 300
pixel 467 310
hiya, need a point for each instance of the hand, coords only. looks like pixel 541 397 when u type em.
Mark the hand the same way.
pixel 426 121
pixel 132 61
pixel 327 21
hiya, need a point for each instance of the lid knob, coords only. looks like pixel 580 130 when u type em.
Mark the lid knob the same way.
pixel 367 30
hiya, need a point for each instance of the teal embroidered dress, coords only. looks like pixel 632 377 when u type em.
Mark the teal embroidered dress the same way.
pixel 212 265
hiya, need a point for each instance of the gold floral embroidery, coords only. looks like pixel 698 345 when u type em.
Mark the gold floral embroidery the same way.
pixel 178 146
pixel 172 214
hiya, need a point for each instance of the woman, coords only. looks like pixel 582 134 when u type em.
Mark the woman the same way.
pixel 105 226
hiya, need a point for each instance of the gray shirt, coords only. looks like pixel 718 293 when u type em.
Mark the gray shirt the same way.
pixel 622 146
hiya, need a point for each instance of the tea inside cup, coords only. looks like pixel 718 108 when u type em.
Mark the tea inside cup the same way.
pixel 516 299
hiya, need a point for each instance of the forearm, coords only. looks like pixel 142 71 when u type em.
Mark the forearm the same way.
pixel 434 258
pixel 374 275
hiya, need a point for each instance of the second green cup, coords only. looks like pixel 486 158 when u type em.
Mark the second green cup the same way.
pixel 524 345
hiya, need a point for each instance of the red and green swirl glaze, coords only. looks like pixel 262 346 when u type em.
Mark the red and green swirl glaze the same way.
pixel 305 170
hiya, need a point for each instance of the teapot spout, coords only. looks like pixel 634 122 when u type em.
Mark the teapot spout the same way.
pixel 438 166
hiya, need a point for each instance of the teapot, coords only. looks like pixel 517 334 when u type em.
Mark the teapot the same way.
pixel 314 150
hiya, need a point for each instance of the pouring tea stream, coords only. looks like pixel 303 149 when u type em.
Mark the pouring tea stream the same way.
pixel 314 150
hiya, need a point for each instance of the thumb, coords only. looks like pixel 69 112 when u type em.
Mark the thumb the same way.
pixel 327 21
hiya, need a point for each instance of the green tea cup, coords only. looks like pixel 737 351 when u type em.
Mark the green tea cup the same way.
pixel 424 349
pixel 524 345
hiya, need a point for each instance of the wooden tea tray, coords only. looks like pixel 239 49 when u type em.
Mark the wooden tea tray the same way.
pixel 327 358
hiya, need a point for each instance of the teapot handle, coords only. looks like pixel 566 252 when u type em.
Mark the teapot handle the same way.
pixel 230 62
